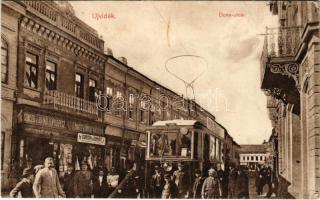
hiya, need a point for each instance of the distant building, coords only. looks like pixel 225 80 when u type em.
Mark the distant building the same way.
pixel 252 155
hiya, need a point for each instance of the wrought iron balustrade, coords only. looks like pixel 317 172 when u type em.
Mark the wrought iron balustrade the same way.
pixel 63 100
pixel 282 42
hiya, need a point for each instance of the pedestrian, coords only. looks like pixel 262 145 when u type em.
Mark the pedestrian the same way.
pixel 246 182
pixel 197 185
pixel 232 182
pixel 268 180
pixel 68 180
pixel 24 186
pixel 169 190
pixel 46 183
pixel 222 181
pixel 210 188
pixel 83 182
pixel 274 187
pixel 29 165
pixel 112 180
pixel 242 184
pixel 100 185
pixel 182 181
pixel 157 183
pixel 258 180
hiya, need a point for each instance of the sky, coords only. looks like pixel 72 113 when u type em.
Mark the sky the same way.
pixel 226 53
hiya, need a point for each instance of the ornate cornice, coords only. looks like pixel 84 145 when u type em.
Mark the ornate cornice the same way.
pixel 62 41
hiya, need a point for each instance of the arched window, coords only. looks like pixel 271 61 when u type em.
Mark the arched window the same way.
pixel 4 61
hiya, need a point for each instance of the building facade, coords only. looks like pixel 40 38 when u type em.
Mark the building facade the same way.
pixel 290 79
pixel 66 96
pixel 254 155
pixel 10 14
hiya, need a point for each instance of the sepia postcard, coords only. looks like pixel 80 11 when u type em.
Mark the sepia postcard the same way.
pixel 160 99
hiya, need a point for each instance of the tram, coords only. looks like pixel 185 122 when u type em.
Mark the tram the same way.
pixel 181 141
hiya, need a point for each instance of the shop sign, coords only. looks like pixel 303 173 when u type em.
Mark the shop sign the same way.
pixel 91 139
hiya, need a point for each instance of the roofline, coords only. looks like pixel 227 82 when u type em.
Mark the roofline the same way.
pixel 156 83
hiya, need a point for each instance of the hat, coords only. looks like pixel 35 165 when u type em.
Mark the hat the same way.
pixel 167 176
pixel 197 171
pixel 156 167
pixel 37 168
pixel 26 172
pixel 180 164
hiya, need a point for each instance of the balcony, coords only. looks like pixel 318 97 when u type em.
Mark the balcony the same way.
pixel 69 103
pixel 279 66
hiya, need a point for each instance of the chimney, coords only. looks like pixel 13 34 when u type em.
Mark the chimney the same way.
pixel 108 51
pixel 123 60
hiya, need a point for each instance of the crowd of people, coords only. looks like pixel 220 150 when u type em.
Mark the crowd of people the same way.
pixel 43 181
pixel 230 183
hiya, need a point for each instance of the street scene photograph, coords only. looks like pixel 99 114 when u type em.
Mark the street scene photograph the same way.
pixel 160 99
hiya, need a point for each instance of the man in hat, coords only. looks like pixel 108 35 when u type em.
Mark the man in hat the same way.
pixel 68 178
pixel 83 182
pixel 197 185
pixel 232 182
pixel 182 180
pixel 210 188
pixel 157 183
pixel 46 183
pixel 169 190
pixel 25 185
pixel 112 180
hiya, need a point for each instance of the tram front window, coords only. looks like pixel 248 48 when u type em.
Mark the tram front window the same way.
pixel 163 144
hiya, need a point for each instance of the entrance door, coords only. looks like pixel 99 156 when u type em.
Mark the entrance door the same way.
pixel 38 150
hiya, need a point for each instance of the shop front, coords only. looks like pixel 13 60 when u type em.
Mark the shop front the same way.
pixel 69 141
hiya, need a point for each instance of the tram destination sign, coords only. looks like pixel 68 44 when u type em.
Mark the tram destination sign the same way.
pixel 91 139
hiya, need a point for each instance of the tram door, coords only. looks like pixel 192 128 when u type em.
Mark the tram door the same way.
pixel 205 153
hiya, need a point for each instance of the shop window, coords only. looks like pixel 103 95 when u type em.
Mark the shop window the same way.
pixel 79 85
pixel 2 149
pixel 51 75
pixel 93 91
pixel 4 61
pixel 32 70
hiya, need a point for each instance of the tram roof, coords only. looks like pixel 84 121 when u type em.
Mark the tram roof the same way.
pixel 176 122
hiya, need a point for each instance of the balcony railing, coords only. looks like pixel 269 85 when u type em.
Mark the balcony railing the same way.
pixel 282 42
pixel 63 100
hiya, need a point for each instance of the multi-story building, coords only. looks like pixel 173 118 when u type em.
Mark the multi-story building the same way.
pixel 10 15
pixel 252 155
pixel 74 101
pixel 290 77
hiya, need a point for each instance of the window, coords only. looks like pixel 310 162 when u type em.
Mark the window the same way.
pixel 118 103
pixel 109 98
pixel 79 85
pixel 51 75
pixel 2 149
pixel 32 70
pixel 163 144
pixel 185 144
pixel 252 158
pixel 256 158
pixel 4 61
pixel 93 92
pixel 142 110
pixel 261 158
pixel 131 106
